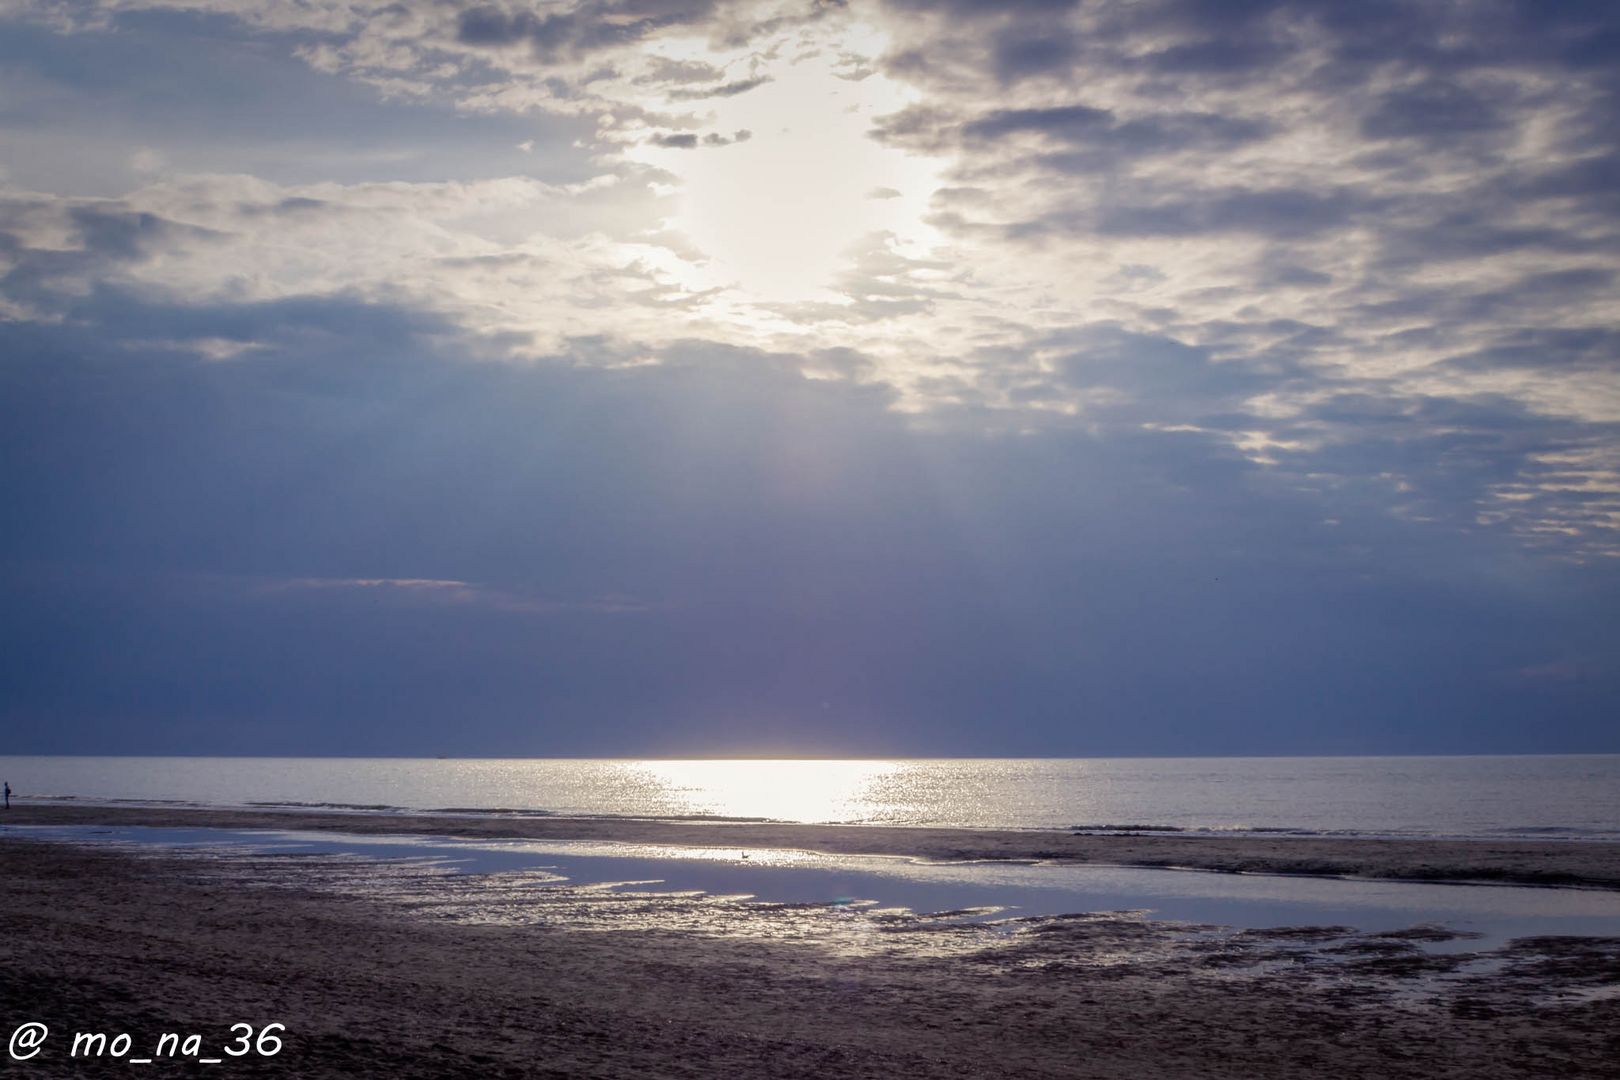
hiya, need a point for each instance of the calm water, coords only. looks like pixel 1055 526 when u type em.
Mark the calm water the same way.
pixel 1564 797
pixel 997 890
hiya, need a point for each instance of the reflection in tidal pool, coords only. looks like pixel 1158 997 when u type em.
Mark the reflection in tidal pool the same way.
pixel 978 891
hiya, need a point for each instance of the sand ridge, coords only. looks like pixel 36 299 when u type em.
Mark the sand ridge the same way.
pixel 1591 864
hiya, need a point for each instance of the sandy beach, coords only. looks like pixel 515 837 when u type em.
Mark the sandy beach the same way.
pixel 380 971
pixel 1592 864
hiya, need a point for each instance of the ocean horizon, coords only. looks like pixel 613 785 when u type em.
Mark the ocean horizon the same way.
pixel 1564 796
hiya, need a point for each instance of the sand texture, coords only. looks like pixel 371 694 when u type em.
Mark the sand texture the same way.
pixel 397 970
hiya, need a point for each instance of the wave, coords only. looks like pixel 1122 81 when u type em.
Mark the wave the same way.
pixel 109 801
pixel 376 808
pixel 1527 833
pixel 1194 830
pixel 492 811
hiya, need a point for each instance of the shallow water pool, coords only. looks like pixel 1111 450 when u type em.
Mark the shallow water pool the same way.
pixel 982 890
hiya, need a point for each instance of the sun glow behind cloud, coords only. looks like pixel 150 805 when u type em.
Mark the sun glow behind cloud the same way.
pixel 1017 349
pixel 779 210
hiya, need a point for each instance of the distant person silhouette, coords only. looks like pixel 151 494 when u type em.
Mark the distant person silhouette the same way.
pixel 8 795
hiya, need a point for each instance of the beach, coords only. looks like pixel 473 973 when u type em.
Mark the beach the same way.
pixel 810 539
pixel 1588 863
pixel 378 971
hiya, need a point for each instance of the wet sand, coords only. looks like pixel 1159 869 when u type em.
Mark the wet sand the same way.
pixel 385 983
pixel 405 970
pixel 1591 864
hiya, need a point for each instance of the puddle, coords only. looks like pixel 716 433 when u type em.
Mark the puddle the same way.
pixel 1485 916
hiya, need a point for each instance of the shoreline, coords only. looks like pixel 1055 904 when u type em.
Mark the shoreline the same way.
pixel 426 976
pixel 1593 864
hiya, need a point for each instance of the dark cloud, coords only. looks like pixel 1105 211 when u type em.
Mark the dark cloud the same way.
pixel 592 26
pixel 1427 82
pixel 1023 54
pixel 682 140
pixel 984 8
pixel 118 234
pixel 1070 122
pixel 1430 110
pixel 661 70
pixel 1532 294
pixel 102 238
pixel 1280 213
pixel 1097 140
pixel 686 140
pixel 1161 379
pixel 1479 231
pixel 1594 348
pixel 1221 57
pixel 344 536
pixel 730 89
pixel 1484 461
pixel 1387 35
pixel 918 127
pixel 1279 273
pixel 1592 176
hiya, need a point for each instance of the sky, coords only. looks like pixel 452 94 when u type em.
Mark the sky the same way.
pixel 698 377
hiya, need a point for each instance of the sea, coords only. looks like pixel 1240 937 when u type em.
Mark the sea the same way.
pixel 1567 797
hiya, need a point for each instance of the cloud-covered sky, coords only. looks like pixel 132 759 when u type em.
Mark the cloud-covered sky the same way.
pixel 698 377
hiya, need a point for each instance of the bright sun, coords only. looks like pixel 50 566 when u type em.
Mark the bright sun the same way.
pixel 778 213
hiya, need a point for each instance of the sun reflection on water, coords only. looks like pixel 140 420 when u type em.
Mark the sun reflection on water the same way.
pixel 784 790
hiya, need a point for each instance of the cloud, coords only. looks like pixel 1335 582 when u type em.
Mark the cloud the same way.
pixel 1069 122
pixel 348 533
pixel 663 71
pixel 1317 302
pixel 1319 206
pixel 582 29
pixel 1432 111
pixel 724 90
pixel 685 140
pixel 1277 212
pixel 1385 186
pixel 507 256
pixel 439 591
pixel 1594 348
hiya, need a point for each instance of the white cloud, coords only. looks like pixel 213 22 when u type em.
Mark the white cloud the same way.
pixel 1323 212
